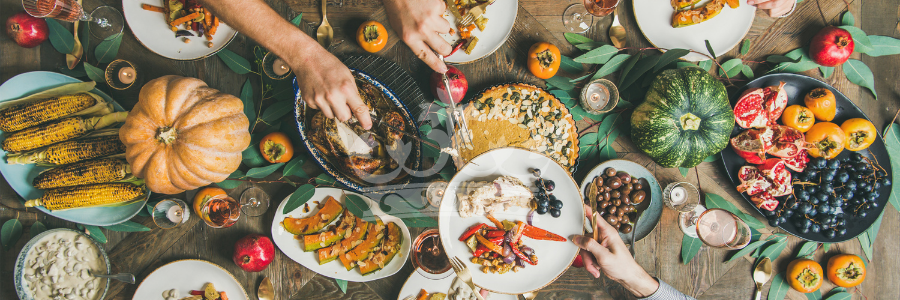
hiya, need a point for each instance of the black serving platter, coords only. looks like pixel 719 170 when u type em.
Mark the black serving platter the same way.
pixel 796 87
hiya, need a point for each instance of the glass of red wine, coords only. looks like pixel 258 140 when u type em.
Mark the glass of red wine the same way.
pixel 105 20
pixel 579 18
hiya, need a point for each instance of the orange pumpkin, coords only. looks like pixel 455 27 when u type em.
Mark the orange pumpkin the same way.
pixel 182 134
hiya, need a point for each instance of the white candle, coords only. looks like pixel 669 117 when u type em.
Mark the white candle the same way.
pixel 677 195
pixel 175 214
pixel 280 67
pixel 126 75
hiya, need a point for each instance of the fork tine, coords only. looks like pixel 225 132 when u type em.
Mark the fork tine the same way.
pixel 454 264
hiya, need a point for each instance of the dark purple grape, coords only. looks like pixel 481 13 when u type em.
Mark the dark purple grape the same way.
pixel 554 213
pixel 815 228
pixel 842 176
pixel 549 185
pixel 541 210
pixel 829 234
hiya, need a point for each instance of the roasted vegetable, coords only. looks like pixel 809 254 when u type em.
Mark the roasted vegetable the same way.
pixel 105 194
pixel 18 117
pixel 71 151
pixel 66 129
pixel 87 172
pixel 698 15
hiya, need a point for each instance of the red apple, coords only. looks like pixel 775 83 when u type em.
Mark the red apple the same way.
pixel 254 253
pixel 830 47
pixel 26 30
pixel 458 85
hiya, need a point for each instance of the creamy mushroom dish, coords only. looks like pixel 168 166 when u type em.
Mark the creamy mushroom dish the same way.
pixel 57 268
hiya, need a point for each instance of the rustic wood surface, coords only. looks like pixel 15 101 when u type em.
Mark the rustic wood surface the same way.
pixel 705 277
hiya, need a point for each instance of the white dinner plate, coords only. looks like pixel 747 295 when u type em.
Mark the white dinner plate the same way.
pixel 186 275
pixel 553 257
pixel 20 177
pixel 291 247
pixel 416 282
pixel 501 16
pixel 151 30
pixel 723 31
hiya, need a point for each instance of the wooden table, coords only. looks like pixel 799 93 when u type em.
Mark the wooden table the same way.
pixel 705 277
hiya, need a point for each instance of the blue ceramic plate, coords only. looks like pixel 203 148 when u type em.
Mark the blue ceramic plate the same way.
pixel 650 210
pixel 348 179
pixel 20 176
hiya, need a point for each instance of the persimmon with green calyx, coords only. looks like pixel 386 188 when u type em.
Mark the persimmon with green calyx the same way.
pixel 798 117
pixel 827 138
pixel 543 60
pixel 804 275
pixel 276 147
pixel 846 270
pixel 860 133
pixel 371 36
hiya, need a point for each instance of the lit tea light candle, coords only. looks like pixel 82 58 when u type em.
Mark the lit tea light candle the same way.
pixel 597 96
pixel 175 214
pixel 678 195
pixel 126 75
pixel 279 67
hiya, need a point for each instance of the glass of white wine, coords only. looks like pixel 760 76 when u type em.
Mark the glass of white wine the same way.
pixel 716 228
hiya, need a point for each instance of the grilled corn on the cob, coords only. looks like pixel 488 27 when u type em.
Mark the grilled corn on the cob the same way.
pixel 22 116
pixel 104 194
pixel 86 172
pixel 65 129
pixel 71 151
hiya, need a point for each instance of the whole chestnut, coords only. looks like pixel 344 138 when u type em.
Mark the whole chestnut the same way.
pixel 613 182
pixel 610 172
pixel 624 176
pixel 638 196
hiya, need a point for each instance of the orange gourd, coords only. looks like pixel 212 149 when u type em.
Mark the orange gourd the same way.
pixel 182 134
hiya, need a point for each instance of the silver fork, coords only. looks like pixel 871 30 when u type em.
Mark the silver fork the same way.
pixel 463 273
pixel 474 13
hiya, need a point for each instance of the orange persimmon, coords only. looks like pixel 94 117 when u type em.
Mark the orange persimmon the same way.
pixel 827 138
pixel 276 147
pixel 543 60
pixel 846 270
pixel 371 36
pixel 804 275
pixel 860 133
pixel 821 102
pixel 798 117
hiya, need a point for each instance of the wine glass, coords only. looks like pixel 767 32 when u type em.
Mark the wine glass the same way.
pixel 428 256
pixel 170 213
pixel 577 18
pixel 435 192
pixel 715 227
pixel 254 201
pixel 105 20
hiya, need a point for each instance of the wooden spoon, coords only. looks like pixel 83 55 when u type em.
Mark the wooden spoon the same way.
pixel 73 58
pixel 325 33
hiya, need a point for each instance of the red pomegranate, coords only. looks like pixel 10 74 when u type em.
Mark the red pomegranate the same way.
pixel 752 144
pixel 830 47
pixel 787 142
pixel 775 170
pixel 750 111
pixel 752 181
pixel 776 100
pixel 797 162
pixel 764 201
pixel 458 85
pixel 26 30
pixel 253 253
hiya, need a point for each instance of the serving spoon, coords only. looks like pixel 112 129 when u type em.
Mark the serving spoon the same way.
pixel 73 58
pixel 123 277
pixel 325 33
pixel 761 275
pixel 617 32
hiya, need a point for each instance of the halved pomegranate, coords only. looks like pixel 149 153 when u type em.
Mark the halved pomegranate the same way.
pixel 787 142
pixel 749 111
pixel 797 162
pixel 776 100
pixel 765 201
pixel 775 170
pixel 752 144
pixel 752 181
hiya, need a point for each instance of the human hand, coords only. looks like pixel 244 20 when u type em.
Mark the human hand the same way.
pixel 419 23
pixel 327 85
pixel 776 8
pixel 610 256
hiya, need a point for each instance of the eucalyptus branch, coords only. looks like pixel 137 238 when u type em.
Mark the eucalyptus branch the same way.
pixel 595 124
pixel 713 59
pixel 892 123
pixel 259 181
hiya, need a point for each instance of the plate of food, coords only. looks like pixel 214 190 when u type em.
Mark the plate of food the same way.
pixel 40 263
pixel 821 181
pixel 449 287
pixel 482 36
pixel 177 29
pixel 364 160
pixel 633 193
pixel 324 236
pixel 486 216
pixel 25 171
pixel 190 279
pixel 688 24
pixel 522 116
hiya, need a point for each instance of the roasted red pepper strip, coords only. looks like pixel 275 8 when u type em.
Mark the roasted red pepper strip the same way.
pixel 472 230
pixel 495 221
pixel 497 241
pixel 520 227
pixel 479 250
pixel 494 234
pixel 197 293
pixel 522 256
pixel 458 45
pixel 540 234
pixel 490 245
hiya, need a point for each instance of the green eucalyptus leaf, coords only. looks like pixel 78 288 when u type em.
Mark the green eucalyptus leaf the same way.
pixel 325 179
pixel 808 248
pixel 580 78
pixel 94 73
pixel 228 184
pixel 252 157
pixel 883 45
pixel 749 248
pixel 731 68
pixel 815 295
pixel 745 47
pixel 607 151
pixel 848 19
pixel 565 97
pixel 561 82
pixel 705 64
pixel 295 167
pixel 710 49
pixel 96 233
pixel 773 250
pixel 590 46
pixel 826 71
pixel 614 64
pixel 689 248
pixel 857 72
pixel 296 20
pixel 716 201
pixel 576 39
pixel 85 37
pixel 342 284
pixel 77 72
pixel 276 110
pixel 127 226
pixel 627 67
pixel 598 56
pixel 712 158
pixel 247 99
pixel 684 171
pixel 39 227
pixel 569 65
pixel 779 288
pixel 359 207
pixel 640 68
pixel 747 71
pixel 234 62
pixel 669 57
pixel 300 196
pixel 840 295
pixel 263 171
pixel 107 50
pixel 826 247
pixel 892 143
pixel 10 233
pixel 61 39
pixel 684 64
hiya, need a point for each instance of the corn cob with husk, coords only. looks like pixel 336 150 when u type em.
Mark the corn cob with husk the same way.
pixel 72 151
pixel 104 194
pixel 63 130
pixel 18 117
pixel 87 172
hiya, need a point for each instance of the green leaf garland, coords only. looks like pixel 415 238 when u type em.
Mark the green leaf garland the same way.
pixel 300 196
pixel 576 39
pixel 669 57
pixel 295 167
pixel 731 68
pixel 613 65
pixel 276 110
pixel 590 45
pixel 641 67
pixel 598 56
pixel 569 65
pixel 561 82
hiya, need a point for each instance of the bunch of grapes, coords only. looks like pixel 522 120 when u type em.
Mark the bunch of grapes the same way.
pixel 830 191
pixel 546 202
